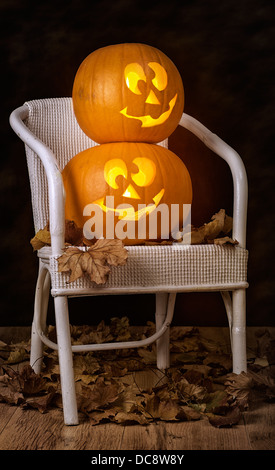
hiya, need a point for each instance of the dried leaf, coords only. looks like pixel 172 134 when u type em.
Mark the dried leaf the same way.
pixel 98 335
pixel 189 392
pixel 41 403
pixel 41 238
pixel 111 250
pixel 162 409
pixel 129 418
pixel 97 416
pixel 218 360
pixel 119 328
pixel 73 234
pixel 225 240
pixel 26 388
pixel 220 224
pixel 215 227
pixel 217 401
pixel 148 355
pixel 239 385
pixel 190 413
pixel 93 262
pixel 98 395
pixel 10 396
pixel 129 400
pixel 232 417
pixel 28 382
pixel 18 355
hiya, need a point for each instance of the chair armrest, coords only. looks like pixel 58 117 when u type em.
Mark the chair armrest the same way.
pixel 53 173
pixel 237 168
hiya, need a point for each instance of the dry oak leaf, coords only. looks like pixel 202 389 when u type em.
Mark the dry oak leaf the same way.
pixel 95 262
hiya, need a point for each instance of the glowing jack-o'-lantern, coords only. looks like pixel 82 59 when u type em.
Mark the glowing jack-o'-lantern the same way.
pixel 128 92
pixel 138 178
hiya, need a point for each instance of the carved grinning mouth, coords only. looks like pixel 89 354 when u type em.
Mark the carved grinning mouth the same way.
pixel 147 120
pixel 128 213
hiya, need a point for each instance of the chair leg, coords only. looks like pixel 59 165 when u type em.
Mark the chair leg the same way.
pixel 239 331
pixel 163 343
pixel 65 361
pixel 40 311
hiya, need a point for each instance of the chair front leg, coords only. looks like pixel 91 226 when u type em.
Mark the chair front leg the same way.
pixel 239 331
pixel 65 361
pixel 40 314
pixel 163 343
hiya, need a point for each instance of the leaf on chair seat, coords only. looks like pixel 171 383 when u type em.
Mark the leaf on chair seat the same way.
pixel 95 262
pixel 73 236
pixel 224 240
pixel 41 238
pixel 216 231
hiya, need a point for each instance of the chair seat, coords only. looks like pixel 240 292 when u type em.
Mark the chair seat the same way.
pixel 176 267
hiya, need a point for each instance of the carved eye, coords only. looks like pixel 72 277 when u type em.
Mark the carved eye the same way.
pixel 144 177
pixel 112 169
pixel 160 79
pixel 133 73
pixel 146 171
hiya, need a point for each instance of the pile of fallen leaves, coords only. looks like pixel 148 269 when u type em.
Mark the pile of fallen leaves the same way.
pixel 99 255
pixel 125 387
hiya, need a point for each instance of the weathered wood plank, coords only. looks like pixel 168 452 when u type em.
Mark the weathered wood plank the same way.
pixel 189 435
pixel 260 425
pixel 88 437
pixel 6 412
pixel 31 430
pixel 200 435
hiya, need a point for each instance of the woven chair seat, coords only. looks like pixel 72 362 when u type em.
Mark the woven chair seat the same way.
pixel 169 267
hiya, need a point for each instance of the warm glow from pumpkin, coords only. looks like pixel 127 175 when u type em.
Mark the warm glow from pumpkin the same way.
pixel 128 93
pixel 133 73
pixel 114 168
pixel 128 183
pixel 146 172
pixel 128 213
pixel 160 80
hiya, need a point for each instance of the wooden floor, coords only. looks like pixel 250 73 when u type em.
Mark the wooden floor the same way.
pixel 27 429
pixel 30 430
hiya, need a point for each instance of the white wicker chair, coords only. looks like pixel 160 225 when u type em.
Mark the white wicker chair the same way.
pixel 52 137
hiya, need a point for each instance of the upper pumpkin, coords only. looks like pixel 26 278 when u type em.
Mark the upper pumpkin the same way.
pixel 128 92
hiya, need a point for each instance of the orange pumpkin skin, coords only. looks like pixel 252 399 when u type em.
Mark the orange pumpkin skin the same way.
pixel 133 173
pixel 128 92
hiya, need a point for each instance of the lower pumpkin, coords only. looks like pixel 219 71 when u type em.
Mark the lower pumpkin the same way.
pixel 125 190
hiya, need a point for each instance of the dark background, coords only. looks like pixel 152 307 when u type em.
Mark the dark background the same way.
pixel 224 51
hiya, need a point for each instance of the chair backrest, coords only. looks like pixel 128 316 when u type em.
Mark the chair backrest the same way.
pixel 52 120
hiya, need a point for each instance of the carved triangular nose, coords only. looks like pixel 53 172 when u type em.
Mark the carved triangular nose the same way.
pixel 152 99
pixel 131 192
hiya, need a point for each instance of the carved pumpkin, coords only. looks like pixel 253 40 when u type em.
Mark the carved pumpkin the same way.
pixel 140 178
pixel 128 92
